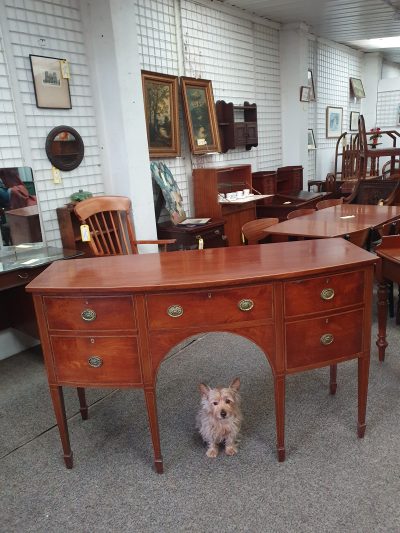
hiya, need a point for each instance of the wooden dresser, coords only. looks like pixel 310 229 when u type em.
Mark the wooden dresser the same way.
pixel 109 322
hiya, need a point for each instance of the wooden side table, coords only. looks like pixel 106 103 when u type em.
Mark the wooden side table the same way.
pixel 188 237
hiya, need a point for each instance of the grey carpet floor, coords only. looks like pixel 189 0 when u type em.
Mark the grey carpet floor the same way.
pixel 330 481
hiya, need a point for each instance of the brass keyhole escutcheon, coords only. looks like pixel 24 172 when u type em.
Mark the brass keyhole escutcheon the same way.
pixel 175 311
pixel 327 339
pixel 327 294
pixel 246 304
pixel 95 361
pixel 88 315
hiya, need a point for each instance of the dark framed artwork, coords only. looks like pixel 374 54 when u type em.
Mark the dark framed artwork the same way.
pixel 51 88
pixel 160 94
pixel 357 88
pixel 311 140
pixel 354 115
pixel 200 114
pixel 334 122
pixel 304 93
pixel 311 85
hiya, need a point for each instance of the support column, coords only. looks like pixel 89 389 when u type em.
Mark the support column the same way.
pixel 372 75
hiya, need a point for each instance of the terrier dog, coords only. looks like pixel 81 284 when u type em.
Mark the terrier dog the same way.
pixel 219 418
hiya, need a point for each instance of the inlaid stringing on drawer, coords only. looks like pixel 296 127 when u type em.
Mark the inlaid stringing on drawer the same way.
pixel 324 293
pixel 91 313
pixel 177 310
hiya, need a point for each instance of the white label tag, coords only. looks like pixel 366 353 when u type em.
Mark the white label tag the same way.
pixel 348 216
pixel 85 233
pixel 64 69
pixel 201 243
pixel 201 142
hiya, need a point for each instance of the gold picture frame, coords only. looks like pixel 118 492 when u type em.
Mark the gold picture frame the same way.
pixel 200 114
pixel 160 95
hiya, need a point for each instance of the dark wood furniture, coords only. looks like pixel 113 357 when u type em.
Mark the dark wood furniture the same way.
pixel 284 180
pixel 110 321
pixel 330 202
pixel 192 237
pixel 339 221
pixel 209 182
pixel 70 230
pixel 280 205
pixel 254 231
pixel 373 191
pixel 24 225
pixel 388 271
pixel 237 125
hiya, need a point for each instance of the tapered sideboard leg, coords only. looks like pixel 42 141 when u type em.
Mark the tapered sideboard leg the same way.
pixel 82 402
pixel 151 404
pixel 382 319
pixel 332 379
pixel 279 383
pixel 57 397
pixel 363 376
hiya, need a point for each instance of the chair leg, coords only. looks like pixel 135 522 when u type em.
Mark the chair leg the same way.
pixel 82 402
pixel 390 299
pixel 398 306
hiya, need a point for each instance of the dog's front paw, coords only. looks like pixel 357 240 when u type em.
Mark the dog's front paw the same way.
pixel 230 450
pixel 212 451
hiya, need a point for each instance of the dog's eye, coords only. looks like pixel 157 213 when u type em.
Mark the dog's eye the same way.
pixel 215 403
pixel 227 400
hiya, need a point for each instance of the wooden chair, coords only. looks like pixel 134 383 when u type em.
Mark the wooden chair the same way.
pixel 111 227
pixel 254 231
pixel 299 213
pixel 359 238
pixel 323 204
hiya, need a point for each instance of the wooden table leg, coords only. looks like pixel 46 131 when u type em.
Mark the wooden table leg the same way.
pixel 151 404
pixel 382 318
pixel 363 376
pixel 279 382
pixel 57 398
pixel 82 402
pixel 332 379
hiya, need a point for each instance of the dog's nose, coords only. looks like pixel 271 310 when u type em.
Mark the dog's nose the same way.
pixel 223 414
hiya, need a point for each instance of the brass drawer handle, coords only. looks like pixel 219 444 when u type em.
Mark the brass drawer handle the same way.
pixel 175 311
pixel 23 275
pixel 327 339
pixel 95 361
pixel 88 315
pixel 246 305
pixel 327 294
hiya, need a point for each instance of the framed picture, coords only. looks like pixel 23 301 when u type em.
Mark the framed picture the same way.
pixel 304 93
pixel 354 120
pixel 311 85
pixel 311 139
pixel 51 88
pixel 160 95
pixel 334 121
pixel 201 118
pixel 162 175
pixel 356 88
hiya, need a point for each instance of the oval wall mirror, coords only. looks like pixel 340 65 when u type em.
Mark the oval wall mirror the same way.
pixel 64 148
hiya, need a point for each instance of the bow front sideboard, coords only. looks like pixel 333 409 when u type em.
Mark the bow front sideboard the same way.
pixel 109 322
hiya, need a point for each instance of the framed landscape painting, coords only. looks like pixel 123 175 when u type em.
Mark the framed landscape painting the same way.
pixel 160 95
pixel 334 121
pixel 51 88
pixel 200 114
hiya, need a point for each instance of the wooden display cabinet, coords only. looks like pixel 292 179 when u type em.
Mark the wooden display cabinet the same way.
pixel 237 125
pixel 209 182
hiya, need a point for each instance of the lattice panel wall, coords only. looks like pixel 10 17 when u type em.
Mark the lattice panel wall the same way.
pixel 388 110
pixel 312 109
pixel 59 23
pixel 240 57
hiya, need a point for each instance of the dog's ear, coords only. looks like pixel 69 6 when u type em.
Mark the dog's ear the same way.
pixel 204 389
pixel 235 385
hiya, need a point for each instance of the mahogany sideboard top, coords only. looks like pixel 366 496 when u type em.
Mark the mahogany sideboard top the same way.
pixel 111 321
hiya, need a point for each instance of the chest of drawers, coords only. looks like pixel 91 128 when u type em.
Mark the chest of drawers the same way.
pixel 111 321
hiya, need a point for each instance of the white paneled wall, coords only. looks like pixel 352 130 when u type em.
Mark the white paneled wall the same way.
pixel 388 108
pixel 241 58
pixel 52 28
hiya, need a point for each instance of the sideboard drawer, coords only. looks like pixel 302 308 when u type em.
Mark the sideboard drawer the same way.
pixel 319 340
pixel 209 307
pixel 90 313
pixel 323 293
pixel 15 278
pixel 96 360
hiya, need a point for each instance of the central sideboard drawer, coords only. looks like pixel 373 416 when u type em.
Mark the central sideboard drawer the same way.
pixel 209 307
pixel 91 313
pixel 323 293
pixel 96 360
pixel 305 339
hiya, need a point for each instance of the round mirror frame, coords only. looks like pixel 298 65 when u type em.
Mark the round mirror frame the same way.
pixel 56 159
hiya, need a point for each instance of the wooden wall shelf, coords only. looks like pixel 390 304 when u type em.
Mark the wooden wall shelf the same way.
pixel 237 125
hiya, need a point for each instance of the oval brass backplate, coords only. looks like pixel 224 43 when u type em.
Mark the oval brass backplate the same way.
pixel 95 361
pixel 175 311
pixel 89 315
pixel 327 294
pixel 327 339
pixel 246 304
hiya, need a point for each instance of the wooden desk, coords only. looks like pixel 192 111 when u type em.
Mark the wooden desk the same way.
pixel 388 270
pixel 110 321
pixel 330 222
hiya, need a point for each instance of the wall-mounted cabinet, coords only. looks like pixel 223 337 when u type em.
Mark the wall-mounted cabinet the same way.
pixel 237 125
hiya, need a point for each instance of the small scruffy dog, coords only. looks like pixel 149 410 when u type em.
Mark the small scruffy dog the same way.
pixel 219 418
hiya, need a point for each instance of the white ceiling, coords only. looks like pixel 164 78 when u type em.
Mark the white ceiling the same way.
pixel 342 21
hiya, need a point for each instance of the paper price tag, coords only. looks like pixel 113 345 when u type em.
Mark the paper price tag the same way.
pixel 201 243
pixel 65 69
pixel 85 233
